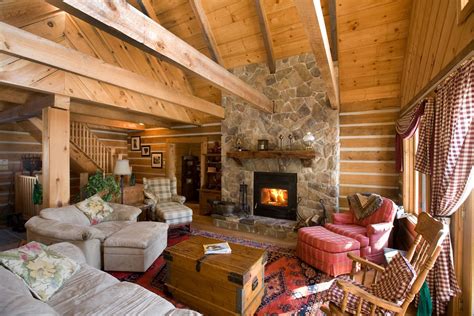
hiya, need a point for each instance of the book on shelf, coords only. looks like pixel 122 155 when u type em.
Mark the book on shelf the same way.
pixel 217 249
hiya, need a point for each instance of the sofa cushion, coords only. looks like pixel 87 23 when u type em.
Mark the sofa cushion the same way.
pixel 353 231
pixel 67 214
pixel 385 214
pixel 173 210
pixel 43 270
pixel 12 282
pixel 82 286
pixel 160 187
pixel 396 281
pixel 110 228
pixel 320 238
pixel 138 235
pixel 124 299
pixel 95 209
pixel 15 303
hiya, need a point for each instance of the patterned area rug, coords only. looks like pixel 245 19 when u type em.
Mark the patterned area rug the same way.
pixel 291 285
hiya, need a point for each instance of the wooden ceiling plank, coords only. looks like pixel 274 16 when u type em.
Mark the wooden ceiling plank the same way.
pixel 267 38
pixel 22 44
pixel 33 107
pixel 123 20
pixel 313 20
pixel 207 32
pixel 99 121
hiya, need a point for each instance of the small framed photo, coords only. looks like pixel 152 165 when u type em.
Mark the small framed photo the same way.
pixel 146 151
pixel 157 160
pixel 136 143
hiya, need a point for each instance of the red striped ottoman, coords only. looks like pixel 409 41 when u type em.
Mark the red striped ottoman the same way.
pixel 325 250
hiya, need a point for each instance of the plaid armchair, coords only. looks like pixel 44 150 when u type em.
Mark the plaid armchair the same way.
pixel 168 206
pixel 372 232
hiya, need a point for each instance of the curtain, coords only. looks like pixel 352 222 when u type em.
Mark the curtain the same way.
pixel 449 156
pixel 424 152
pixel 405 127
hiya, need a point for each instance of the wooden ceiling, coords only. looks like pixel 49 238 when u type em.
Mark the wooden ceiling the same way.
pixel 371 43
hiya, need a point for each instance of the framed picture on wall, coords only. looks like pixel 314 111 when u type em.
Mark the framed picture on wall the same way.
pixel 146 151
pixel 136 143
pixel 157 160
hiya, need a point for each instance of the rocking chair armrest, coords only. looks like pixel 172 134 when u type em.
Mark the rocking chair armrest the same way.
pixel 366 296
pixel 365 262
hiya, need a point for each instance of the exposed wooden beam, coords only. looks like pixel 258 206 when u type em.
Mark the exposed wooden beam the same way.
pixel 22 44
pixel 99 121
pixel 333 28
pixel 124 21
pixel 206 30
pixel 115 115
pixel 312 17
pixel 147 8
pixel 33 107
pixel 13 95
pixel 267 39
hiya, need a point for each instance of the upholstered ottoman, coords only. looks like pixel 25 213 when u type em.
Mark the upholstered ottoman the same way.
pixel 325 250
pixel 173 213
pixel 135 247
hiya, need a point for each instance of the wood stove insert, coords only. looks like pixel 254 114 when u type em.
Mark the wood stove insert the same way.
pixel 275 194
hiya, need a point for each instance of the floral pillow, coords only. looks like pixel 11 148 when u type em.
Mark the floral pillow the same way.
pixel 95 209
pixel 43 270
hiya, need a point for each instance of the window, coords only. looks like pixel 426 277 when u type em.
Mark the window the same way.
pixel 415 185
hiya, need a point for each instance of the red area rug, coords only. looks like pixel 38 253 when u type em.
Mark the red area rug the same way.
pixel 291 285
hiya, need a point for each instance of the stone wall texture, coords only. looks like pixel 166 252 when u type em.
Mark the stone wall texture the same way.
pixel 300 106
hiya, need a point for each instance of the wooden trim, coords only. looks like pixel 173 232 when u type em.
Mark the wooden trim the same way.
pixel 311 15
pixel 333 28
pixel 33 107
pixel 457 61
pixel 206 30
pixel 22 44
pixel 147 8
pixel 267 39
pixel 125 22
pixel 106 122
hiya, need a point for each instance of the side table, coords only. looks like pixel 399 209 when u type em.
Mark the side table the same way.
pixel 146 214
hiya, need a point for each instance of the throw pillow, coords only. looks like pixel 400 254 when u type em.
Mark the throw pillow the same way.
pixel 95 209
pixel 149 195
pixel 396 281
pixel 43 270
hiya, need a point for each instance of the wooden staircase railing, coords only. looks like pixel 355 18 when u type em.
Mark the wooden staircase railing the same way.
pixel 91 146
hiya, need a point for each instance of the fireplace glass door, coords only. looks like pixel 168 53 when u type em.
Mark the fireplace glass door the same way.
pixel 274 197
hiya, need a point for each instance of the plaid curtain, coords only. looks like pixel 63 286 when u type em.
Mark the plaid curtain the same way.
pixel 405 127
pixel 424 152
pixel 451 168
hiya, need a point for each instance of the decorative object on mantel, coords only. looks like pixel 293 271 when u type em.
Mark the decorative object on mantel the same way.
pixel 31 163
pixel 290 141
pixel 306 156
pixel 262 144
pixel 308 140
pixel 238 144
pixel 281 141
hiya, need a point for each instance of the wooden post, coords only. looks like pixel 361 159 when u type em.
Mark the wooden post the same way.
pixel 203 163
pixel 170 160
pixel 56 182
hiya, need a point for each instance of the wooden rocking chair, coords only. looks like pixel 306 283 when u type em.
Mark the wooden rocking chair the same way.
pixel 422 255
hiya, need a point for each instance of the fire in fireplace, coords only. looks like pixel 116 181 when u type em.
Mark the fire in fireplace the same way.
pixel 275 194
pixel 275 197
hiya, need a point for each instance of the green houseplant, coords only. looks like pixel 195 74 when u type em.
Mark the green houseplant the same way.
pixel 106 186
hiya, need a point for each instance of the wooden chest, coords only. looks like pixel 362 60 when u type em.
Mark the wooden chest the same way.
pixel 231 284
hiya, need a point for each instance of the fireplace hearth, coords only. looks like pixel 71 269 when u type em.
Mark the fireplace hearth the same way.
pixel 275 195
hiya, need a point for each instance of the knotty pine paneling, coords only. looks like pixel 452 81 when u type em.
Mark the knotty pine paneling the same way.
pixel 435 39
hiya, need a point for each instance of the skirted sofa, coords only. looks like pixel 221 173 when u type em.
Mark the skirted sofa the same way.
pixel 118 243
pixel 88 292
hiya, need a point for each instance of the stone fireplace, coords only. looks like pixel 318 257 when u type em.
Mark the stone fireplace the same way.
pixel 275 194
pixel 300 106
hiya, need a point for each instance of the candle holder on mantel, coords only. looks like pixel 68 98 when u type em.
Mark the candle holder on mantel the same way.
pixel 308 141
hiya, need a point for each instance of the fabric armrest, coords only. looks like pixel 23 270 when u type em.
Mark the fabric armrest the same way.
pixel 379 228
pixel 342 218
pixel 69 250
pixel 178 198
pixel 149 202
pixel 62 231
pixel 123 212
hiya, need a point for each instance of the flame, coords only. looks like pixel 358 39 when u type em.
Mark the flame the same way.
pixel 275 197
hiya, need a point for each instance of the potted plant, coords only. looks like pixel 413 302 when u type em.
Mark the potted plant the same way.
pixel 106 186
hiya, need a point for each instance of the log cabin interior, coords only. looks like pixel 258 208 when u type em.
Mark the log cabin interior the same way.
pixel 328 145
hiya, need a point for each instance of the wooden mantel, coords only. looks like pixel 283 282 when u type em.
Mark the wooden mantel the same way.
pixel 306 156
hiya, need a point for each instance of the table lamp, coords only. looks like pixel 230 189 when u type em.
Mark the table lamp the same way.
pixel 122 168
